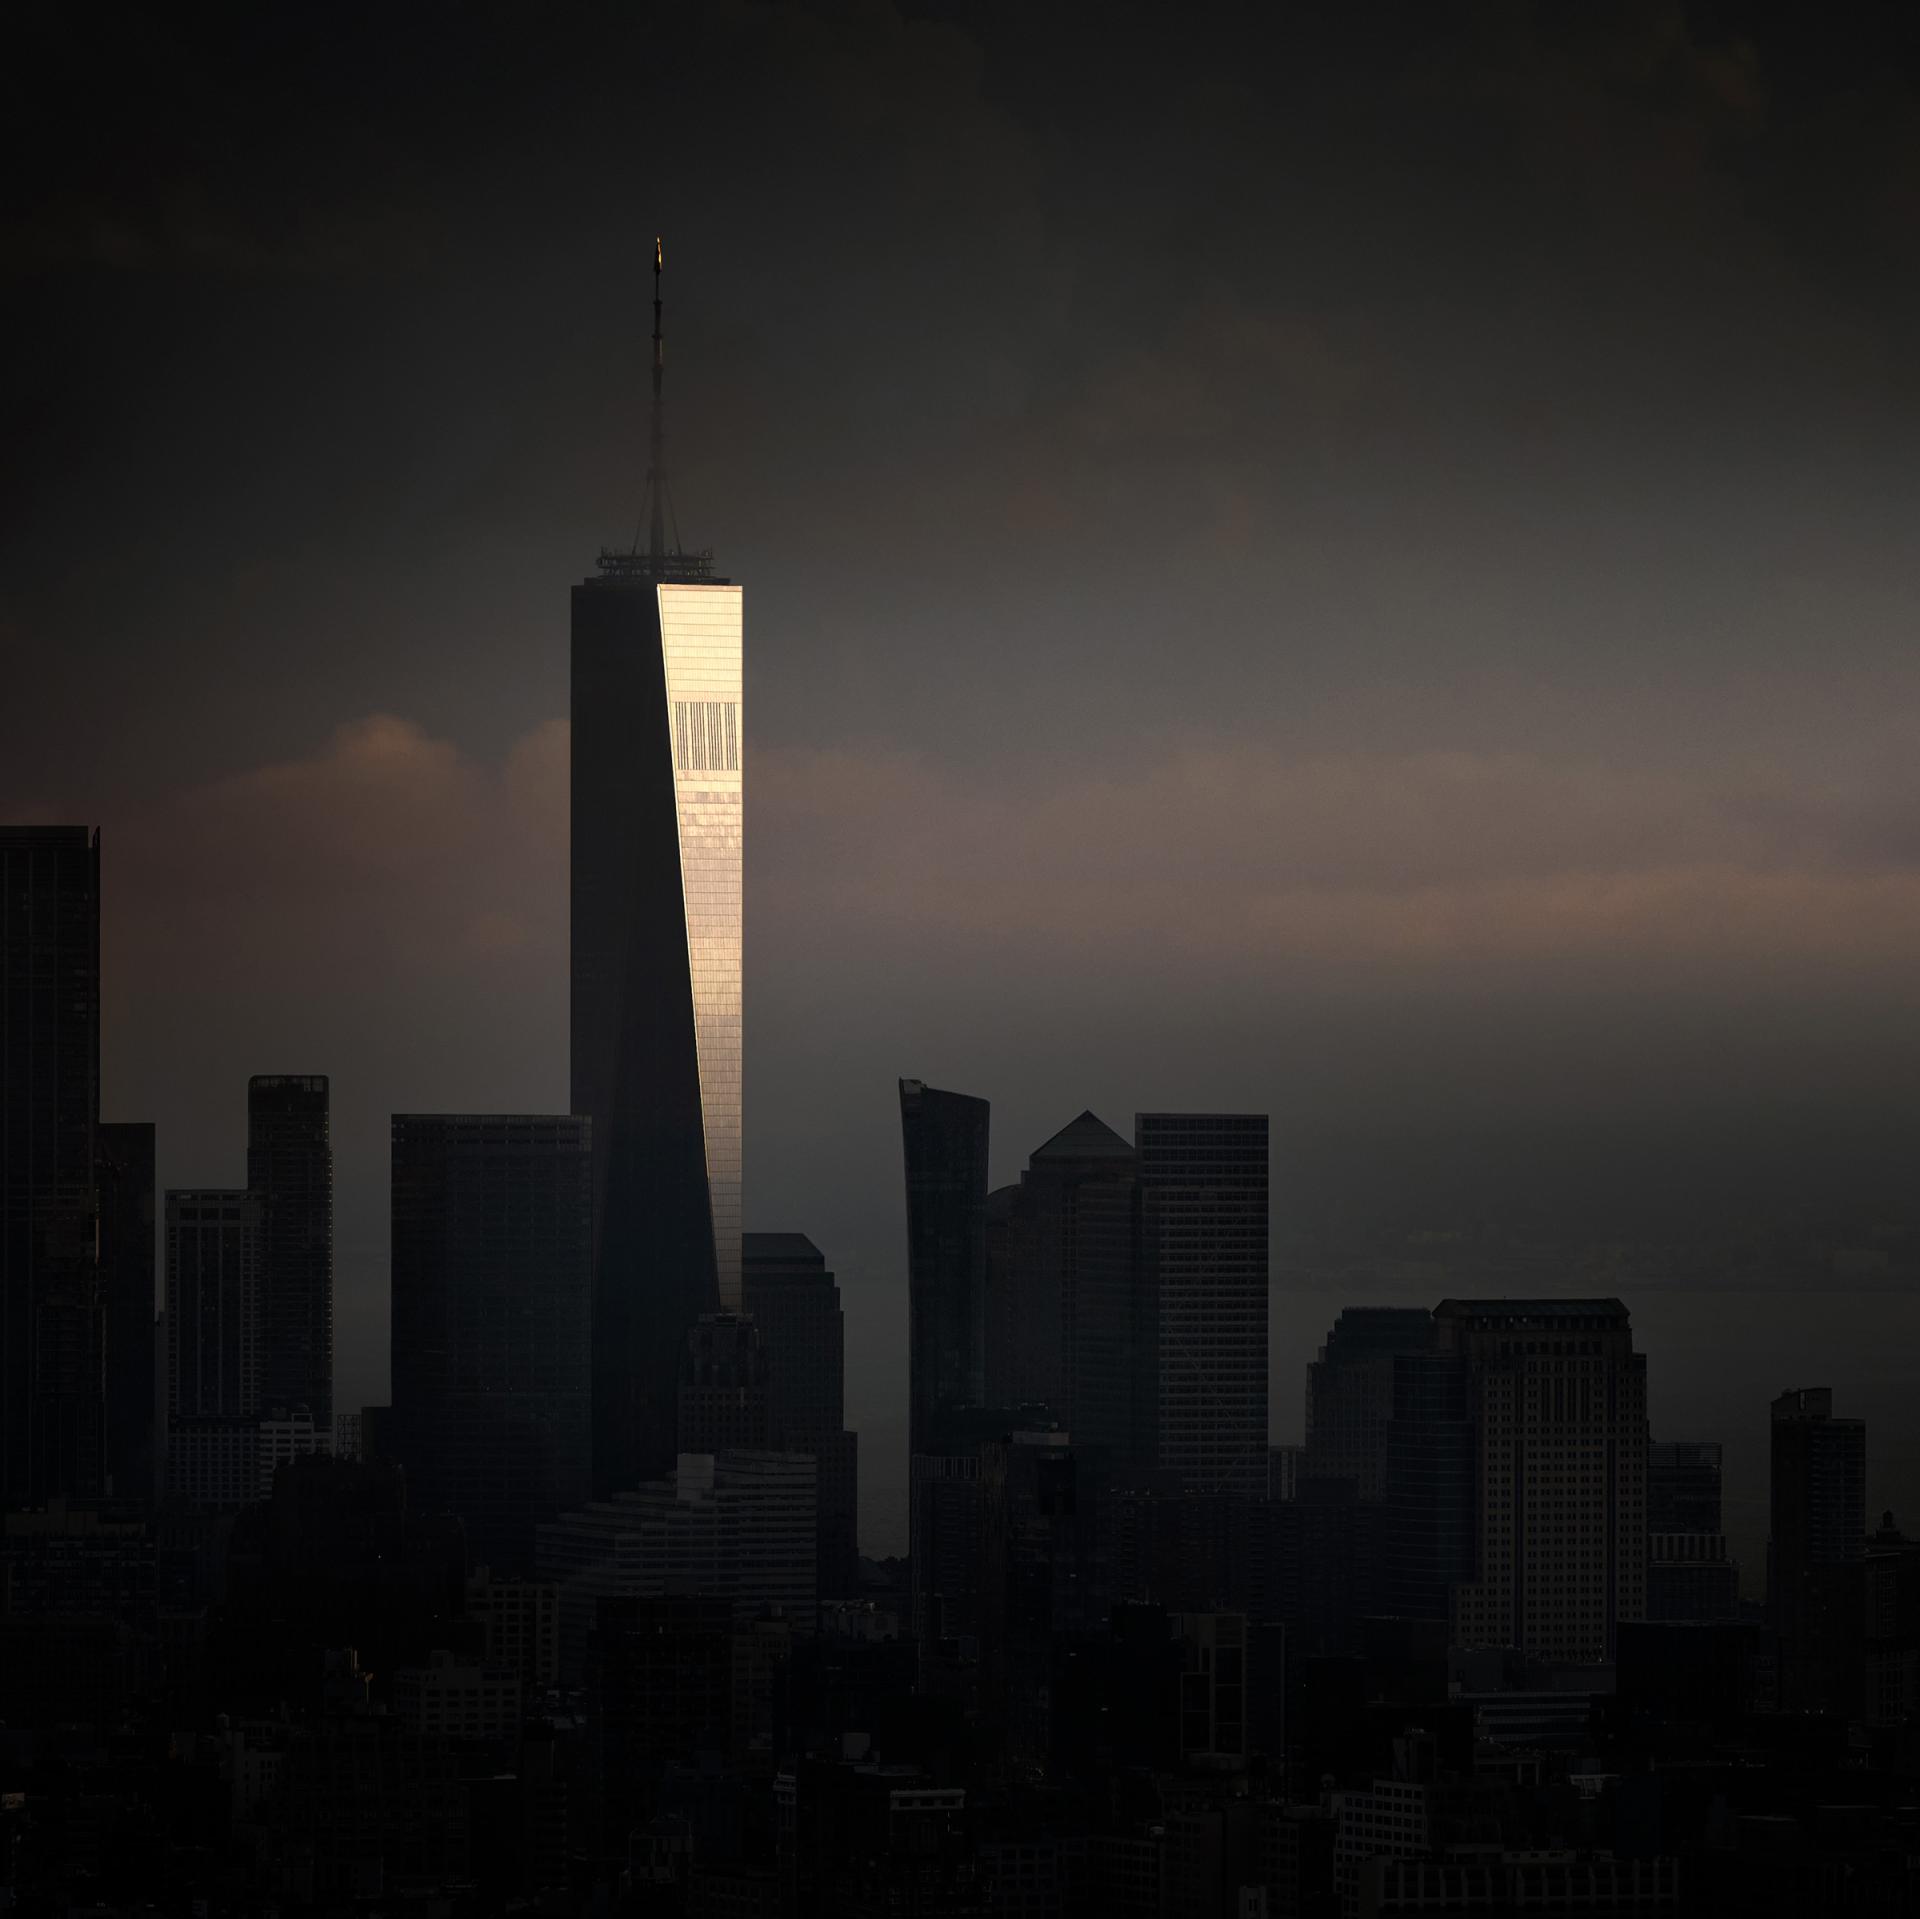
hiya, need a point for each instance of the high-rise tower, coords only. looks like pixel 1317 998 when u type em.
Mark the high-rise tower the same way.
pixel 52 1336
pixel 290 1174
pixel 1204 1184
pixel 491 1279
pixel 944 1136
pixel 658 745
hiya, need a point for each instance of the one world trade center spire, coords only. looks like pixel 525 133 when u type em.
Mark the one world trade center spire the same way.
pixel 655 1031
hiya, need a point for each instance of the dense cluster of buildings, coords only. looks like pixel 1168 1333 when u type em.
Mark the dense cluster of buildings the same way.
pixel 578 1622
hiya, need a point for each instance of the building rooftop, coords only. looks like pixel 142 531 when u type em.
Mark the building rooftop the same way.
pixel 1085 1138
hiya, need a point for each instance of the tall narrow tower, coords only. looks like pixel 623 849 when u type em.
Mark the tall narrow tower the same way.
pixel 656 924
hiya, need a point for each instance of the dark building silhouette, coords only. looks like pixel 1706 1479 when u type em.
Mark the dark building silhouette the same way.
pixel 944 1136
pixel 1558 1400
pixel 1204 1185
pixel 124 1180
pixel 492 1279
pixel 723 1386
pixel 213 1305
pixel 944 1144
pixel 1430 1487
pixel 336 1558
pixel 1350 1393
pixel 791 1296
pixel 290 1174
pixel 52 1331
pixel 655 1002
pixel 1067 1314
pixel 1691 1576
pixel 1683 1486
pixel 1818 1505
pixel 213 1347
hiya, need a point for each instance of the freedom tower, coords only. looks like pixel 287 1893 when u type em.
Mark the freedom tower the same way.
pixel 656 951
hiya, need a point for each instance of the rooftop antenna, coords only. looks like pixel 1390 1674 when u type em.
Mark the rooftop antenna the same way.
pixel 657 529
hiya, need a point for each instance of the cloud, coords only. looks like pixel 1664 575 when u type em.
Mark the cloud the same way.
pixel 1221 861
pixel 386 855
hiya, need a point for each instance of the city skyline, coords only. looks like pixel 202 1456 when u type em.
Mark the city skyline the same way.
pixel 1552 795
pixel 1256 1257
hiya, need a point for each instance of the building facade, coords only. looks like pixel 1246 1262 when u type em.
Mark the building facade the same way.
pixel 1818 1539
pixel 944 1141
pixel 792 1297
pixel 124 1184
pixel 52 1331
pixel 1068 1320
pixel 1557 1401
pixel 492 1284
pixel 1204 1226
pixel 290 1174
pixel 657 826
pixel 1350 1393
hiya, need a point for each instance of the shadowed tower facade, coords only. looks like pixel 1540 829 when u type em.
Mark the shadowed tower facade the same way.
pixel 657 794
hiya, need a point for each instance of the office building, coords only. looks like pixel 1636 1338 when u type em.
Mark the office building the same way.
pixel 451 1698
pixel 737 1527
pixel 213 1305
pixel 1068 1322
pixel 521 1618
pixel 290 1175
pixel 1430 1488
pixel 1691 1576
pixel 723 1386
pixel 1818 1540
pixel 1204 1228
pixel 1557 1398
pixel 52 1333
pixel 1350 1393
pixel 792 1297
pixel 285 1433
pixel 124 1186
pixel 1683 1486
pixel 492 1282
pixel 944 1138
pixel 213 1357
pixel 657 825
pixel 1818 1493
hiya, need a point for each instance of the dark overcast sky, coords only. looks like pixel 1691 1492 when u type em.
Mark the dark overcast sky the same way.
pixel 1352 561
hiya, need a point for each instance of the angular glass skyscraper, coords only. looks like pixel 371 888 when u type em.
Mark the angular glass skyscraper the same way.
pixel 657 829
pixel 658 747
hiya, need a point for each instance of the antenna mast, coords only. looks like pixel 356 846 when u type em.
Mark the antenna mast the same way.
pixel 657 530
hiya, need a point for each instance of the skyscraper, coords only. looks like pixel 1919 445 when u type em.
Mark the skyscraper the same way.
pixel 290 1174
pixel 123 1178
pixel 794 1301
pixel 492 1277
pixel 1204 1187
pixel 1818 1500
pixel 52 1341
pixel 1557 1399
pixel 723 1386
pixel 214 1340
pixel 1065 1307
pixel 213 1305
pixel 944 1138
pixel 655 1046
pixel 1350 1393
pixel 1430 1481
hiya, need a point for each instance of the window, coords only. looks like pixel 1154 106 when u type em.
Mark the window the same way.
pixel 706 736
